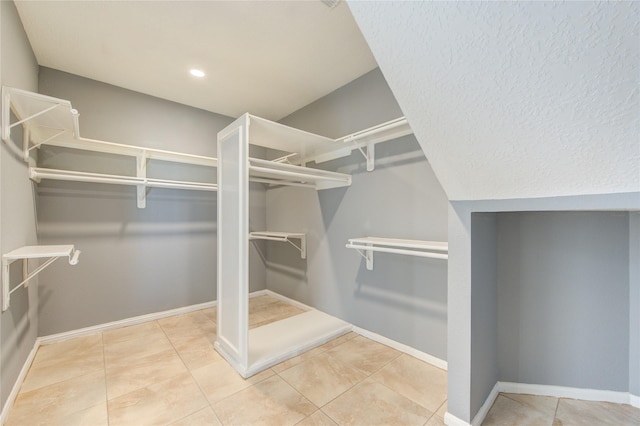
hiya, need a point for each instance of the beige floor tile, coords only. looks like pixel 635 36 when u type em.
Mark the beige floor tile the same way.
pixel 573 412
pixel 278 311
pixel 219 380
pixel 158 404
pixel 420 382
pixel 204 417
pixel 339 340
pixel 132 332
pixel 322 378
pixel 92 416
pixel 317 419
pixel 68 350
pixel 257 303
pixel 297 359
pixel 370 403
pixel 435 421
pixel 211 313
pixel 442 410
pixel 521 410
pixel 51 404
pixel 364 354
pixel 63 361
pixel 184 326
pixel 197 352
pixel 138 373
pixel 122 349
pixel 270 402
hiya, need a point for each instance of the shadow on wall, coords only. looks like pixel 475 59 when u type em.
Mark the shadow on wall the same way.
pixel 422 289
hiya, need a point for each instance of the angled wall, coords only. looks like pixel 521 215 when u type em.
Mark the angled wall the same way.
pixel 19 324
pixel 515 99
pixel 404 298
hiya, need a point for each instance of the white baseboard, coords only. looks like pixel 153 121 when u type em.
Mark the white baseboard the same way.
pixel 451 420
pixel 430 359
pixel 634 400
pixel 18 383
pixel 566 392
pixel 59 337
pixel 488 403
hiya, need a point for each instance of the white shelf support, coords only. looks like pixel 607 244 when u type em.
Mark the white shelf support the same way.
pixel 363 141
pixel 32 252
pixel 141 172
pixel 284 237
pixel 366 246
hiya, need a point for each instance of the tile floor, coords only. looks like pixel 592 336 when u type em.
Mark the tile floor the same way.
pixel 166 372
pixel 512 409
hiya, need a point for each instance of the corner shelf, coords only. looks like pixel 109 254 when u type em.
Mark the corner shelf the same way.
pixel 284 237
pixel 367 245
pixel 32 252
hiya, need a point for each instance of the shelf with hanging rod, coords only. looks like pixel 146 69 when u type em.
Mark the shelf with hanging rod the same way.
pixel 284 237
pixel 32 252
pixel 368 245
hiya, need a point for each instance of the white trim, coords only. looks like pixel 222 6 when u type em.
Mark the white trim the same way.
pixel 59 337
pixel 436 362
pixel 451 420
pixel 566 392
pixel 634 400
pixel 488 403
pixel 8 405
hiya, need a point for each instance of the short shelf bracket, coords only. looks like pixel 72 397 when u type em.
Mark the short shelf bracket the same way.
pixel 32 252
pixel 366 246
pixel 284 237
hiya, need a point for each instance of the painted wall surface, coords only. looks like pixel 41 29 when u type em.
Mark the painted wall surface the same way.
pixel 134 261
pixel 484 299
pixel 563 299
pixel 19 324
pixel 404 298
pixel 460 283
pixel 634 303
pixel 515 99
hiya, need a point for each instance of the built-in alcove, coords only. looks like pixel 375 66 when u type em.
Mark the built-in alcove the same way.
pixel 555 294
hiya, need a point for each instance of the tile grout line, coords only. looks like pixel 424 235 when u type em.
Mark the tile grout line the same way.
pixel 555 413
pixel 104 367
pixel 190 374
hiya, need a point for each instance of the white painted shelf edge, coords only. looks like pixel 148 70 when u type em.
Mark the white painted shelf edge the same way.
pixel 284 237
pixel 367 245
pixel 32 252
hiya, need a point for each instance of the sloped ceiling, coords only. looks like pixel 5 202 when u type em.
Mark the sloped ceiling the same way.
pixel 516 99
pixel 269 58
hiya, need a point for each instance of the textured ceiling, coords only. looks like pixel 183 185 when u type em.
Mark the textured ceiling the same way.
pixel 269 58
pixel 516 99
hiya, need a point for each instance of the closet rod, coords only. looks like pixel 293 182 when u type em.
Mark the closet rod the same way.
pixel 399 251
pixel 38 173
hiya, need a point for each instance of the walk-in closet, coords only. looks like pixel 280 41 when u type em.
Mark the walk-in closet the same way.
pixel 319 212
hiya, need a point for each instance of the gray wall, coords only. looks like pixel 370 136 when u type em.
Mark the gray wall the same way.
pixel 634 303
pixel 563 307
pixel 19 324
pixel 134 261
pixel 484 320
pixel 404 298
pixel 463 398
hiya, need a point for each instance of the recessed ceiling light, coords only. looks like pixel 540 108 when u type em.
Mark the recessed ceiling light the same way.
pixel 196 73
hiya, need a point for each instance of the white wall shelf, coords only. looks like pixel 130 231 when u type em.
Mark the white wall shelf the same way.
pixel 32 252
pixel 367 245
pixel 284 237
pixel 364 141
pixel 52 121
